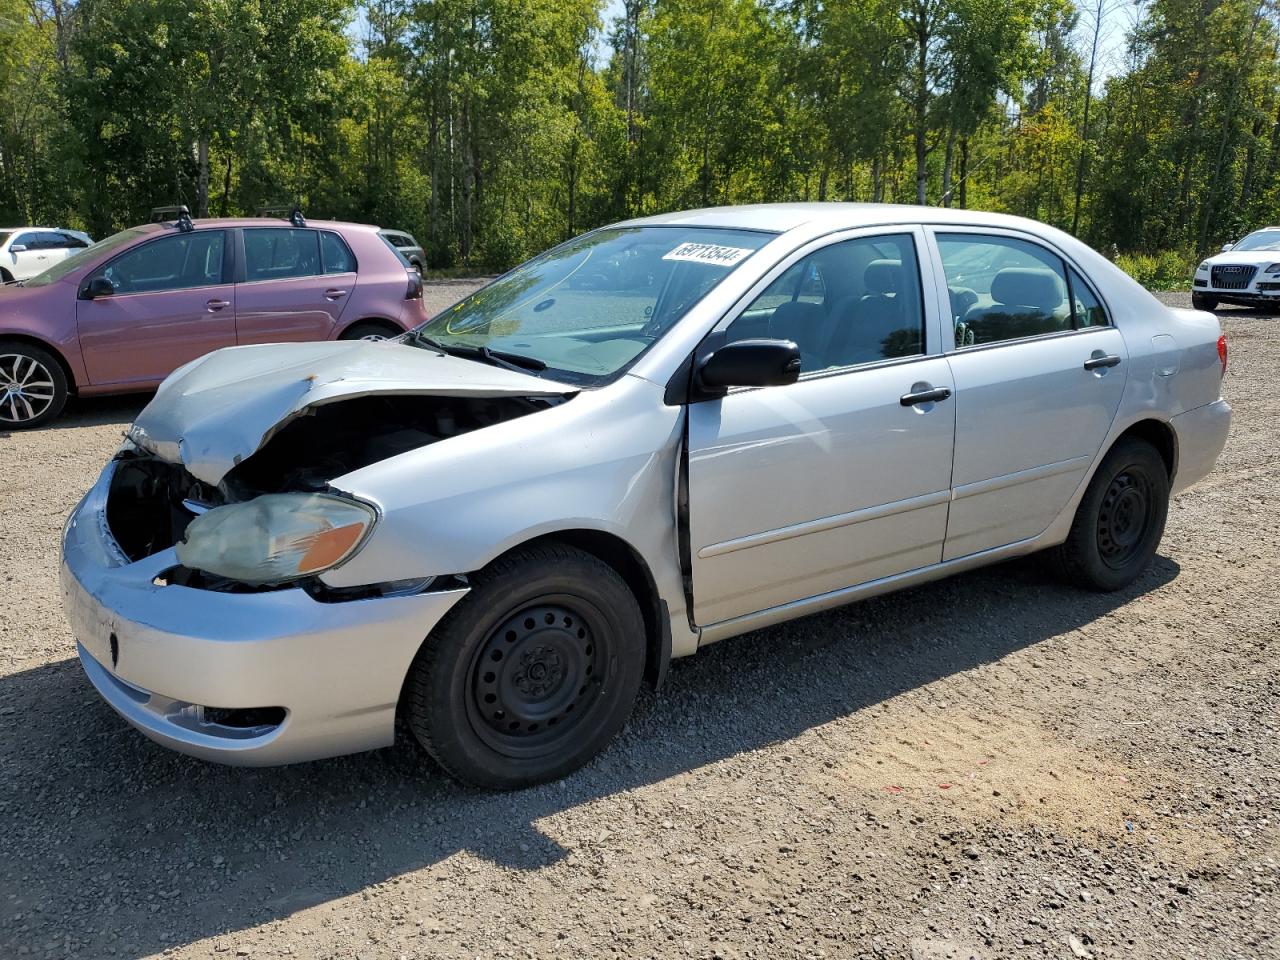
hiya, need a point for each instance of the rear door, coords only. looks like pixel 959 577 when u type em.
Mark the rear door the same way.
pixel 294 285
pixel 842 477
pixel 173 302
pixel 1039 373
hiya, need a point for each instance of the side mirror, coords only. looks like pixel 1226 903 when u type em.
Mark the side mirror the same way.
pixel 18 248
pixel 750 363
pixel 1227 246
pixel 98 287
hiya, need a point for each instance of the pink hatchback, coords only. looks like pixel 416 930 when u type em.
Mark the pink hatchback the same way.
pixel 121 315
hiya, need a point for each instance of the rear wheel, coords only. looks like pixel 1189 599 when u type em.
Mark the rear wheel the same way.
pixel 33 388
pixel 1120 521
pixel 1202 301
pixel 370 330
pixel 532 673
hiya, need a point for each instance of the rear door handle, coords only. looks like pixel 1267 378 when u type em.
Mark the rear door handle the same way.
pixel 333 293
pixel 216 305
pixel 1098 363
pixel 925 396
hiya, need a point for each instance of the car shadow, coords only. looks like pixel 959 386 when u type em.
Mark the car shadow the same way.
pixel 109 836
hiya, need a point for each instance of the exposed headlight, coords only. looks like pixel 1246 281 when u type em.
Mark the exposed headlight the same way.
pixel 1204 265
pixel 275 538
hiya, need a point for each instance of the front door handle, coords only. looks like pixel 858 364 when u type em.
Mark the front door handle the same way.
pixel 925 396
pixel 1099 362
pixel 216 305
pixel 333 293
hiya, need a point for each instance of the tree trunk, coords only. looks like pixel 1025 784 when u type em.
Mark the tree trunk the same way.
pixel 202 179
pixel 946 167
pixel 964 173
pixel 921 99
pixel 1084 123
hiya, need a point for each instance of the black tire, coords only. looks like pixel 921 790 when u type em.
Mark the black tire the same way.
pixel 33 386
pixel 417 267
pixel 1201 301
pixel 1120 521
pixel 370 330
pixel 532 673
pixel 5 276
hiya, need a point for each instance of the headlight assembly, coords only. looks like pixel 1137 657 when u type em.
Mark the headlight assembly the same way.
pixel 1274 268
pixel 1204 265
pixel 275 538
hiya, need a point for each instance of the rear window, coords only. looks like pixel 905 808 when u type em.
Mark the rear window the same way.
pixel 279 253
pixel 392 247
pixel 335 254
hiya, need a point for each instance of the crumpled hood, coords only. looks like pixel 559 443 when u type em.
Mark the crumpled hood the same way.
pixel 214 412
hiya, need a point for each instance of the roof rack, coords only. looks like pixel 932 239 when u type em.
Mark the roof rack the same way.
pixel 180 213
pixel 294 212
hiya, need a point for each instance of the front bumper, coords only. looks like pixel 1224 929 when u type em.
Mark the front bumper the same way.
pixel 1201 433
pixel 159 654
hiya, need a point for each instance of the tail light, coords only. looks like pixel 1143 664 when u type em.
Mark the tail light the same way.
pixel 1222 353
pixel 414 292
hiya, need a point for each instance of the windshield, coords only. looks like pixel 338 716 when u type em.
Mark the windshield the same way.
pixel 1260 240
pixel 81 257
pixel 588 308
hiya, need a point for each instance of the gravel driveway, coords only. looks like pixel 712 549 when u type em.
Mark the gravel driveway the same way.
pixel 991 766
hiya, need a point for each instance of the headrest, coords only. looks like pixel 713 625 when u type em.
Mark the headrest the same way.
pixel 1028 287
pixel 883 276
pixel 795 314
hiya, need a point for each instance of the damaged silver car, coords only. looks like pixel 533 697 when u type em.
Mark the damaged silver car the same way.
pixel 655 436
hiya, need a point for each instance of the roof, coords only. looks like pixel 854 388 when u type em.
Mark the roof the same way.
pixel 257 222
pixel 781 217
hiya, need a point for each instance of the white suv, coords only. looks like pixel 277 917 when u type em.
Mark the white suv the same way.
pixel 1246 273
pixel 26 251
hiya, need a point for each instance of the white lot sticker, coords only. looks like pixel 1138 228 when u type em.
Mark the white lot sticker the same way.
pixel 707 253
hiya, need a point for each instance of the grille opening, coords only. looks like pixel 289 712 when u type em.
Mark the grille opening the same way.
pixel 244 718
pixel 145 504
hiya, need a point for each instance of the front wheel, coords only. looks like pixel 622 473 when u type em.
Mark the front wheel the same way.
pixel 370 330
pixel 532 673
pixel 1120 520
pixel 1201 301
pixel 33 387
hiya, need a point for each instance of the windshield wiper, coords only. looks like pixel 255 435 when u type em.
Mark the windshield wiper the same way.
pixel 497 358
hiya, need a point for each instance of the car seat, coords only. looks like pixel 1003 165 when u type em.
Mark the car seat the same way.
pixel 1027 301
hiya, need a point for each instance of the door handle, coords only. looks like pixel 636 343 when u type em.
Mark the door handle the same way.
pixel 925 396
pixel 333 293
pixel 1100 362
pixel 216 305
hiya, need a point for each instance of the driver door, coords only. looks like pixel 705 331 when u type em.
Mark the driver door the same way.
pixel 172 302
pixel 844 476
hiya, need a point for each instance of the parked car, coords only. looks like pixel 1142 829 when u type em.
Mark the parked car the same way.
pixel 497 526
pixel 408 248
pixel 26 251
pixel 119 316
pixel 1245 273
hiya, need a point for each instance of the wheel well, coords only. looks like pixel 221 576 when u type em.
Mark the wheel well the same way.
pixel 620 555
pixel 5 275
pixel 1161 436
pixel 47 348
pixel 389 325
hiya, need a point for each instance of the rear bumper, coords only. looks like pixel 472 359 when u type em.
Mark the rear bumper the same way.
pixel 160 655
pixel 1201 433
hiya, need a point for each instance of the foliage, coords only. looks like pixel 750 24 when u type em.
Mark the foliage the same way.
pixel 1162 270
pixel 493 129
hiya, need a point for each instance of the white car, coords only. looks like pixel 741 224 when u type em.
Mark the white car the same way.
pixel 1245 273
pixel 496 526
pixel 26 251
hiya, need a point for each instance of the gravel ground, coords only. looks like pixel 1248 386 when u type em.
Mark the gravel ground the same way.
pixel 992 766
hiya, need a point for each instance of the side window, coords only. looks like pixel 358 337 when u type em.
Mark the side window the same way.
pixel 51 240
pixel 856 301
pixel 1002 288
pixel 173 263
pixel 335 254
pixel 29 240
pixel 1086 307
pixel 71 241
pixel 277 253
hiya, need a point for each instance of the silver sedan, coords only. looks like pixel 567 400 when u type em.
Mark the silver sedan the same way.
pixel 655 436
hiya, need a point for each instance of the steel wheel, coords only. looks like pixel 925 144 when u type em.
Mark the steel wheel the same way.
pixel 27 388
pixel 1124 517
pixel 537 676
